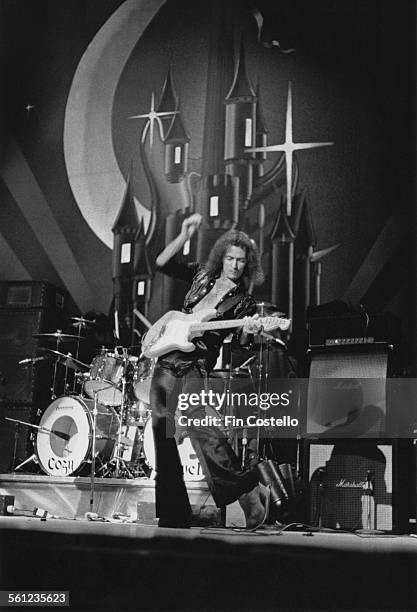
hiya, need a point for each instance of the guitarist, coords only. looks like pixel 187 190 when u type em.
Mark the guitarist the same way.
pixel 221 283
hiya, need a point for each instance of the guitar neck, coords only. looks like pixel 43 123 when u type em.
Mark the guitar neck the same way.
pixel 209 325
pixel 229 324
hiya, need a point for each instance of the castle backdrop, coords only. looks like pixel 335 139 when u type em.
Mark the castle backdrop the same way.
pixel 74 76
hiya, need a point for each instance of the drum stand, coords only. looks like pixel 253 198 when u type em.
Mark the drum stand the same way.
pixel 33 458
pixel 118 464
pixel 93 452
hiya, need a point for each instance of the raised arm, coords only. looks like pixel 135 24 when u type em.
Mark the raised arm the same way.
pixel 189 226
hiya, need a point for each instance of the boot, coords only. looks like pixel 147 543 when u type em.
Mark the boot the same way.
pixel 253 508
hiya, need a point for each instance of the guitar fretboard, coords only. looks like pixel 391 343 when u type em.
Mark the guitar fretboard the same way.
pixel 267 323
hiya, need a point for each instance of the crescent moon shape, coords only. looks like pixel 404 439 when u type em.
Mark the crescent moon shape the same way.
pixel 93 172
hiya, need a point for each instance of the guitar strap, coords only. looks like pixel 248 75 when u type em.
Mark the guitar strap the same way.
pixel 228 304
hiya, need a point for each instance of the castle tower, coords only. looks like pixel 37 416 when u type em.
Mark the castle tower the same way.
pixel 142 273
pixel 216 197
pixel 240 128
pixel 176 150
pixel 124 231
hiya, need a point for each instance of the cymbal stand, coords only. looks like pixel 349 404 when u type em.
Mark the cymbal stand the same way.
pixel 93 452
pixel 53 388
pixel 120 464
pixel 66 374
pixel 77 351
pixel 260 378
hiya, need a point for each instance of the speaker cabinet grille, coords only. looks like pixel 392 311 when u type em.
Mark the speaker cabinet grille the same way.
pixel 30 382
pixel 338 472
pixel 347 392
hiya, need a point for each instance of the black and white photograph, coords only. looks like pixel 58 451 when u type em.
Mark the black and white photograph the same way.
pixel 208 313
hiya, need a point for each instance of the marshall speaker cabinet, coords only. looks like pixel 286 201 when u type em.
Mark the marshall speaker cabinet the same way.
pixel 360 484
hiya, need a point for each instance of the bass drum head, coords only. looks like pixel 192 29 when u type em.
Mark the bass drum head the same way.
pixel 190 463
pixel 62 451
pixel 65 447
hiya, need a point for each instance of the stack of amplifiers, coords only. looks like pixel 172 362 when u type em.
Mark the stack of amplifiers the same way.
pixel 26 308
pixel 347 430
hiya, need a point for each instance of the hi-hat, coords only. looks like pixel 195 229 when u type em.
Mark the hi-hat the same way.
pixel 58 335
pixel 81 322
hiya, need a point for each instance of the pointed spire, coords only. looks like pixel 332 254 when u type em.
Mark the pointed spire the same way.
pixel 282 232
pixel 127 217
pixel 168 101
pixel 241 87
pixel 176 132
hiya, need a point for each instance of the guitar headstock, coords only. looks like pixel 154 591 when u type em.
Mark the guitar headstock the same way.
pixel 271 323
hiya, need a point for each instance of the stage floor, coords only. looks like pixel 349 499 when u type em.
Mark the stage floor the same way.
pixel 139 567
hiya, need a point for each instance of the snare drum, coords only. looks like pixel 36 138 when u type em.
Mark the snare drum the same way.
pixel 105 376
pixel 190 463
pixel 142 378
pixel 65 446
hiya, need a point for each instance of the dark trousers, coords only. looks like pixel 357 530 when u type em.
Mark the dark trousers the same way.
pixel 220 465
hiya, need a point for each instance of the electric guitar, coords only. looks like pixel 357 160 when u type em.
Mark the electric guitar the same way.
pixel 174 330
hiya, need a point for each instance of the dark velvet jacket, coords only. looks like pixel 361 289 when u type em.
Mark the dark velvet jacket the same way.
pixel 208 345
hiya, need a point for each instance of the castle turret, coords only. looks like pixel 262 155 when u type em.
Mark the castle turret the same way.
pixel 124 234
pixel 217 192
pixel 240 128
pixel 176 150
pixel 142 273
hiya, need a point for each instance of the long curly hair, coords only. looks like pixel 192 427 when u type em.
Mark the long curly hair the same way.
pixel 253 272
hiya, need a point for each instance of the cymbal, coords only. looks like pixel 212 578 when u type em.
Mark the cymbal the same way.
pixel 71 362
pixel 263 307
pixel 81 322
pixel 58 335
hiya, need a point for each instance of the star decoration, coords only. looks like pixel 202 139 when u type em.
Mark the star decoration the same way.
pixel 153 116
pixel 289 146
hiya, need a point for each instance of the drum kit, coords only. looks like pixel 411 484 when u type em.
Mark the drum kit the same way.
pixel 100 423
pixel 97 424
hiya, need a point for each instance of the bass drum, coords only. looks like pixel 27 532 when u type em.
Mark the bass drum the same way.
pixel 190 463
pixel 64 447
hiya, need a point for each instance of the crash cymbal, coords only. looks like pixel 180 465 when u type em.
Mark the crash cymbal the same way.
pixel 81 322
pixel 70 361
pixel 58 335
